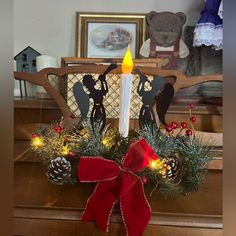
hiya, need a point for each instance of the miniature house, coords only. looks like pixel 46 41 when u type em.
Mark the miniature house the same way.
pixel 26 60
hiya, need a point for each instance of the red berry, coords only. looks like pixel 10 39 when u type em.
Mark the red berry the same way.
pixel 144 179
pixel 169 128
pixel 191 106
pixel 58 129
pixel 188 132
pixel 193 119
pixel 183 125
pixel 174 125
pixel 72 116
pixel 72 154
pixel 34 135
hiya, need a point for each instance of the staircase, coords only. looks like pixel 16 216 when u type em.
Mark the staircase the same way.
pixel 42 208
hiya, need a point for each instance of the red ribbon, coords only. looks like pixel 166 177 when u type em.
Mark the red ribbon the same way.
pixel 118 183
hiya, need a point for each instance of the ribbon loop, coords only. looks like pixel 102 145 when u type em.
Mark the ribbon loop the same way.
pixel 138 156
pixel 94 169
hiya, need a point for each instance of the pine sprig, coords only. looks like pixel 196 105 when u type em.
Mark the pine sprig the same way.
pixel 92 144
pixel 160 143
pixel 192 155
pixel 54 143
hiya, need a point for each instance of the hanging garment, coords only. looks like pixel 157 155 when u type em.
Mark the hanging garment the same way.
pixel 220 12
pixel 209 29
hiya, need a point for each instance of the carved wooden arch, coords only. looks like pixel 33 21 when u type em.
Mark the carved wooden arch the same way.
pixel 41 78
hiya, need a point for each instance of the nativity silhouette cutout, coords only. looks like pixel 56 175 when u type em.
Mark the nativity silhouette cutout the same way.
pixel 98 113
pixel 160 93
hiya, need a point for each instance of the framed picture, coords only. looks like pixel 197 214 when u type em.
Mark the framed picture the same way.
pixel 103 35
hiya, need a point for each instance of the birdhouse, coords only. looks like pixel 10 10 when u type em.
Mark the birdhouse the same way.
pixel 26 60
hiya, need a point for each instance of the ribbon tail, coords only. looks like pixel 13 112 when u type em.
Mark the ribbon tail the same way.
pixel 100 204
pixel 135 209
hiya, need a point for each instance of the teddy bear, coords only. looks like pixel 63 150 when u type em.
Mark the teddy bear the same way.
pixel 165 43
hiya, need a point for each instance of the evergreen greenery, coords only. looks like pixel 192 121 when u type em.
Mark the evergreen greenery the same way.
pixel 189 155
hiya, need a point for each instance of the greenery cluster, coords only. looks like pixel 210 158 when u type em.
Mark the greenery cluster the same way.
pixel 84 140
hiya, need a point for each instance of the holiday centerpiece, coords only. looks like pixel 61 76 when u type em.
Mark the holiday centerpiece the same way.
pixel 120 165
pixel 168 157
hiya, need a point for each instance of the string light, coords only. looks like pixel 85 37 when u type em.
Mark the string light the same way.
pixel 65 150
pixel 155 164
pixel 109 138
pixel 84 134
pixel 37 142
pixel 106 142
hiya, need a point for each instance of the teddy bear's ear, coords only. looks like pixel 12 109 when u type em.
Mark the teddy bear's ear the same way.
pixel 150 15
pixel 182 17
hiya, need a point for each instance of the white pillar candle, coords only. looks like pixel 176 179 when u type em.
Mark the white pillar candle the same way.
pixel 125 93
pixel 44 61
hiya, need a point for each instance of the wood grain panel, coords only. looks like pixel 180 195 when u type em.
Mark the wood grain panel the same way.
pixel 33 189
pixel 28 119
pixel 158 218
pixel 33 113
pixel 38 227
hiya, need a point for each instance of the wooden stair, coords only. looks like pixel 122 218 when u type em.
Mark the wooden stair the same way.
pixel 42 208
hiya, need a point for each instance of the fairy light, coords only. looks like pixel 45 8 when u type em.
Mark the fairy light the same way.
pixel 106 142
pixel 37 142
pixel 155 164
pixel 65 150
pixel 84 134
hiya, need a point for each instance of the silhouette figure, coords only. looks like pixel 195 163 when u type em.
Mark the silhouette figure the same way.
pixel 82 99
pixel 98 113
pixel 146 114
pixel 163 101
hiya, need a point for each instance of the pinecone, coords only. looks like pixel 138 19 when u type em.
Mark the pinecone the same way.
pixel 172 170
pixel 59 171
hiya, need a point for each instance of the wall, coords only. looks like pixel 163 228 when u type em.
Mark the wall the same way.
pixel 49 25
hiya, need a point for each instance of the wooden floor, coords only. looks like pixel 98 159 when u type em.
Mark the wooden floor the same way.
pixel 43 209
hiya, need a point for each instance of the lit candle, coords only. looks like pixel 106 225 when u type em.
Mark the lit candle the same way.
pixel 125 93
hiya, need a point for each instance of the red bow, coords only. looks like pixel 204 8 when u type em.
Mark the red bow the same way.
pixel 118 183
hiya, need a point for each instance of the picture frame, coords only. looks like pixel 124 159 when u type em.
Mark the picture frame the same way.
pixel 107 35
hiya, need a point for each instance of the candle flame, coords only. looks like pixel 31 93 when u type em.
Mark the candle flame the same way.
pixel 127 64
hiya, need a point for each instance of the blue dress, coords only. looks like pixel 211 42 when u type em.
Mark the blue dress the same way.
pixel 209 29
